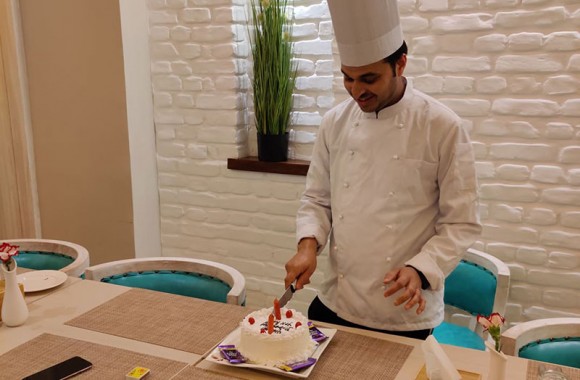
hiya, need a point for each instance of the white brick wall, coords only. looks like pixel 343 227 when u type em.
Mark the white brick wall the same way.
pixel 511 69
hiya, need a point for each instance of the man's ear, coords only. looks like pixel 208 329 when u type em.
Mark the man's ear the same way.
pixel 401 64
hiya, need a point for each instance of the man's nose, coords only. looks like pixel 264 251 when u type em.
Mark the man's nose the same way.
pixel 358 89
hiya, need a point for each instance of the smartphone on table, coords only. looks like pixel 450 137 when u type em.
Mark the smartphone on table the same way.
pixel 63 370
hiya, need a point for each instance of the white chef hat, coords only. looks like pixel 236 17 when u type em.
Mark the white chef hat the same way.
pixel 366 31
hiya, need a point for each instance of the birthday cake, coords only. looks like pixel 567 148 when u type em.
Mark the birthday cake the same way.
pixel 273 335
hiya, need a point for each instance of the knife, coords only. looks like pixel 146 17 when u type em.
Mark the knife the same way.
pixel 287 296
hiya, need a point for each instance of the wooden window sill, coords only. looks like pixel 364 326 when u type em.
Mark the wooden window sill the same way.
pixel 252 164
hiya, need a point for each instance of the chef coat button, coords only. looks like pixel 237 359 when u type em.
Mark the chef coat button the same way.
pixel 356 124
pixel 388 259
pixel 341 275
pixel 351 152
pixel 401 126
pixel 391 193
pixel 395 157
pixel 335 248
pixel 389 227
pixel 346 184
pixel 340 216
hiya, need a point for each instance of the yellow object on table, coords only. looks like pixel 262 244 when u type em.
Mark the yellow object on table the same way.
pixel 465 375
pixel 137 373
pixel 21 286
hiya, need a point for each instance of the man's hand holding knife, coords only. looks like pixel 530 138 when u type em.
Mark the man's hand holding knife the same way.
pixel 302 265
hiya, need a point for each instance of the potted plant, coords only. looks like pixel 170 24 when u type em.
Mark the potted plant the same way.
pixel 274 76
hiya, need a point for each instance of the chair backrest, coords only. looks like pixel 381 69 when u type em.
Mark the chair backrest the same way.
pixel 553 340
pixel 178 275
pixel 70 258
pixel 478 285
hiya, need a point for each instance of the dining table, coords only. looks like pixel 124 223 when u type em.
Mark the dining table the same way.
pixel 119 328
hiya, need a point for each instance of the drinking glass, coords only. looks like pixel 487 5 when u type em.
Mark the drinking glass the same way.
pixel 551 374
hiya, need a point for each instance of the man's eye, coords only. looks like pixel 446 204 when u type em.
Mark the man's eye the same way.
pixel 347 79
pixel 368 80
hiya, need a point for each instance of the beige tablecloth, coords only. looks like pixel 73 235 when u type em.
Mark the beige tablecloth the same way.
pixel 534 370
pixel 350 356
pixel 183 323
pixel 196 373
pixel 108 362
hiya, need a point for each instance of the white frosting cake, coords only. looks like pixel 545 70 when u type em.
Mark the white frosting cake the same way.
pixel 289 341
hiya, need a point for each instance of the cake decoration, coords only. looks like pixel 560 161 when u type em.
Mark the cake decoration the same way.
pixel 293 367
pixel 231 354
pixel 277 313
pixel 316 334
pixel 270 324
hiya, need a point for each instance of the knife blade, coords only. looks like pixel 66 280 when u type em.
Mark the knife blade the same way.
pixel 287 296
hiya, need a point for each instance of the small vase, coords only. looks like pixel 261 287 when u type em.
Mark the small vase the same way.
pixel 273 148
pixel 14 309
pixel 497 363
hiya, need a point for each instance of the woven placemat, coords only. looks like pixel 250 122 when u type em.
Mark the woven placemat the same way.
pixel 350 356
pixel 183 323
pixel 192 372
pixel 108 362
pixel 534 370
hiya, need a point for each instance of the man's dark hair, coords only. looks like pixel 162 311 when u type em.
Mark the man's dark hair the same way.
pixel 394 58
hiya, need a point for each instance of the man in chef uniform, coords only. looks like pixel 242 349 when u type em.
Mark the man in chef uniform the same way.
pixel 391 182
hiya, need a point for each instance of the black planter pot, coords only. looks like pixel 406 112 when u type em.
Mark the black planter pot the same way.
pixel 273 148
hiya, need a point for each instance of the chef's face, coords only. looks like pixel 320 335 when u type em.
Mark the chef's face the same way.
pixel 375 86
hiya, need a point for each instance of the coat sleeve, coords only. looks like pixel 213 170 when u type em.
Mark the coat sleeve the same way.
pixel 458 224
pixel 314 217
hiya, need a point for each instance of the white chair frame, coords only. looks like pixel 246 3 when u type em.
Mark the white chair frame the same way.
pixel 229 275
pixel 502 274
pixel 79 253
pixel 523 333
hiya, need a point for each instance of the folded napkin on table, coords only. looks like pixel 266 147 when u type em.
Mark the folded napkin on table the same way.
pixel 437 363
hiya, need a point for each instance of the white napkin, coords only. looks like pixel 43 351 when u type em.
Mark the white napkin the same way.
pixel 437 363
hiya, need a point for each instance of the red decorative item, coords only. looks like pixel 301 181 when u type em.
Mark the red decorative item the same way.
pixel 262 331
pixel 277 309
pixel 298 324
pixel 6 253
pixel 493 324
pixel 270 324
pixel 288 313
pixel 251 320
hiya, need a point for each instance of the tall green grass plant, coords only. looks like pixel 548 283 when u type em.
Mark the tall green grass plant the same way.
pixel 274 73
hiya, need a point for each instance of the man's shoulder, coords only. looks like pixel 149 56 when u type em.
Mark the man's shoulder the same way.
pixel 433 107
pixel 344 108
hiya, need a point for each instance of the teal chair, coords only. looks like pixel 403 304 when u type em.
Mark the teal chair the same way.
pixel 177 275
pixel 478 285
pixel 43 254
pixel 552 340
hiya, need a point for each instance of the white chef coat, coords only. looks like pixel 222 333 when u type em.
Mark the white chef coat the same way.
pixel 391 189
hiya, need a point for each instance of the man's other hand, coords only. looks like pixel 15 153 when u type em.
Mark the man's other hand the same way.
pixel 408 279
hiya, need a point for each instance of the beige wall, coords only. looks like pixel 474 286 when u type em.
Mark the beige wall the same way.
pixel 77 99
